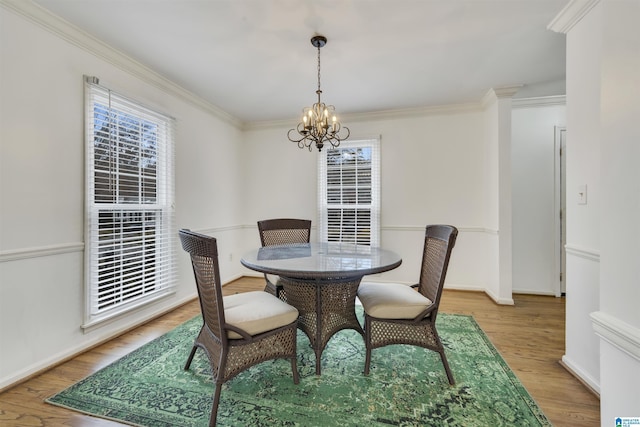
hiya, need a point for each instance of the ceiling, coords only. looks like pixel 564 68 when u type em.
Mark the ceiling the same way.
pixel 254 60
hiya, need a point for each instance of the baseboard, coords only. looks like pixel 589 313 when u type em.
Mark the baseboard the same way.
pixel 62 357
pixel 534 292
pixel 250 274
pixel 448 286
pixel 498 300
pixel 580 375
pixel 469 288
pixel 234 277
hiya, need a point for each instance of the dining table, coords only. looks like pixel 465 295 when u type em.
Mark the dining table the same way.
pixel 321 280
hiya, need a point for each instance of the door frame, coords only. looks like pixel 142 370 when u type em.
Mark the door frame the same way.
pixel 560 214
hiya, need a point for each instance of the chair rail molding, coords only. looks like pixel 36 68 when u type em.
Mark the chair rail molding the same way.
pixel 586 253
pixel 40 251
pixel 212 231
pixel 421 228
pixel 616 332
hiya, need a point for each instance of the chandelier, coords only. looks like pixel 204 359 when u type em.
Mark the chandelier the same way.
pixel 319 124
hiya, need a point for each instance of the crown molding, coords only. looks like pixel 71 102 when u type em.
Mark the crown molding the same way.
pixel 542 101
pixel 492 95
pixel 506 91
pixel 497 93
pixel 402 113
pixel 77 37
pixel 433 110
pixel 96 47
pixel 572 13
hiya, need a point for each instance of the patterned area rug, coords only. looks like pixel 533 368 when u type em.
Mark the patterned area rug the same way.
pixel 407 386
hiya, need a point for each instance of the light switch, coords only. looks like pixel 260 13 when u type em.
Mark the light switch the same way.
pixel 582 194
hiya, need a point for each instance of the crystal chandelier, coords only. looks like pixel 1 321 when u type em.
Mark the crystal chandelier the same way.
pixel 319 123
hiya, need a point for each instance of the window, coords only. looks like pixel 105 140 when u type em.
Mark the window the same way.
pixel 349 193
pixel 129 242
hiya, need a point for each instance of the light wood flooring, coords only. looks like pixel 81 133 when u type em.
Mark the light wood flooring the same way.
pixel 529 335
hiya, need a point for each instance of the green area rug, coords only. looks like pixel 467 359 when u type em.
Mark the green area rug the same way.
pixel 407 386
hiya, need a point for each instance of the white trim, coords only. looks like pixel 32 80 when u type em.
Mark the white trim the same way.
pixel 53 360
pixel 497 299
pixel 87 42
pixel 494 94
pixel 422 228
pixel 466 288
pixel 41 251
pixel 399 113
pixel 448 286
pixel 94 46
pixel 535 292
pixel 590 254
pixel 623 336
pixel 103 320
pixel 210 231
pixel 559 200
pixel 570 15
pixel 542 101
pixel 63 248
pixel 434 110
pixel 581 375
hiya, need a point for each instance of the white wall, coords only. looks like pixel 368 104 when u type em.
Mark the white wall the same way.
pixel 583 168
pixel 431 172
pixel 534 191
pixel 603 106
pixel 42 193
pixel 435 169
pixel 498 185
pixel 619 226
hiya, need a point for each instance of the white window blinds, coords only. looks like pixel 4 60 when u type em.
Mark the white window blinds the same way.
pixel 349 193
pixel 130 236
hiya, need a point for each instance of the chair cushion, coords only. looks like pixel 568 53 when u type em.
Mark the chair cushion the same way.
pixel 391 300
pixel 256 312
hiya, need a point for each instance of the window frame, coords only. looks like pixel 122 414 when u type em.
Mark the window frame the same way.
pixel 137 228
pixel 323 204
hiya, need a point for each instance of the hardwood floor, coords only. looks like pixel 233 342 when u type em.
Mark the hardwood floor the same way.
pixel 529 335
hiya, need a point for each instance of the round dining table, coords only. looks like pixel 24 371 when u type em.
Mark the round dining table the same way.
pixel 321 280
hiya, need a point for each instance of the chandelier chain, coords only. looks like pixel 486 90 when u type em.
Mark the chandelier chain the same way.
pixel 319 68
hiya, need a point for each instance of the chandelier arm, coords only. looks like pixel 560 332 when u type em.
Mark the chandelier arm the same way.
pixel 293 139
pixel 342 138
pixel 305 141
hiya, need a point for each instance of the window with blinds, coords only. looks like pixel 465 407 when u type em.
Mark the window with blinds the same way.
pixel 349 193
pixel 130 242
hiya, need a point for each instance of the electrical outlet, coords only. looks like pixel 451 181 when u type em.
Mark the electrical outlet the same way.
pixel 230 257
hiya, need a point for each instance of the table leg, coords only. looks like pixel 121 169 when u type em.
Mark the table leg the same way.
pixel 325 307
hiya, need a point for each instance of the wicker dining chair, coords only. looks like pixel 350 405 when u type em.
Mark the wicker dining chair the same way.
pixel 282 231
pixel 239 330
pixel 397 314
